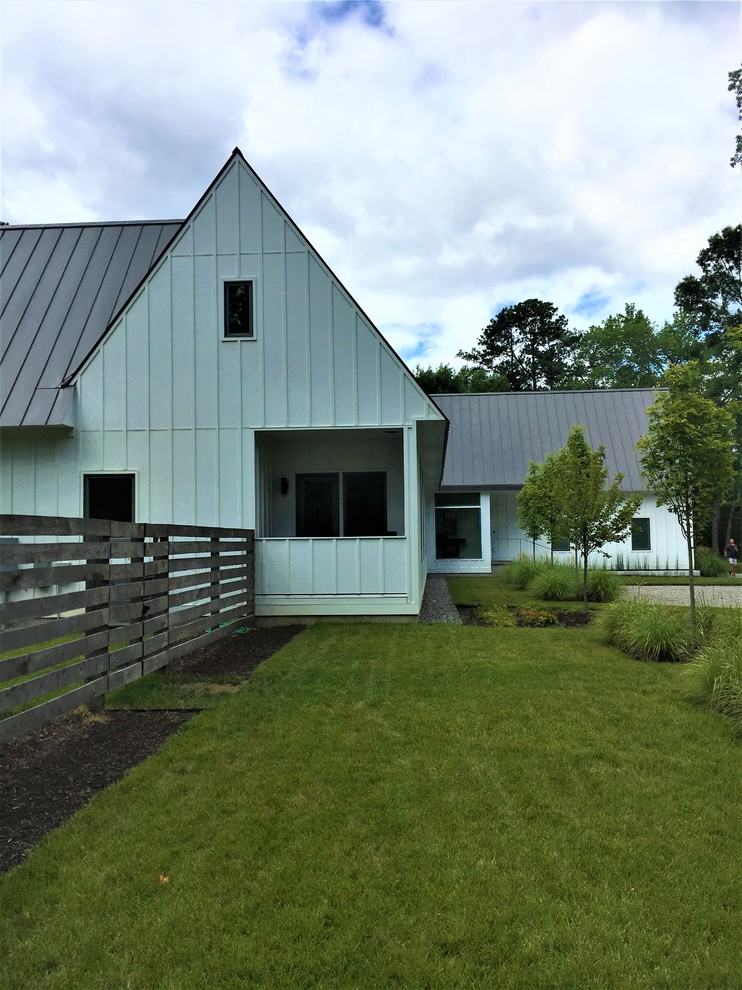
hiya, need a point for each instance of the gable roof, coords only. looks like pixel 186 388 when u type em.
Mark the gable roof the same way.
pixel 60 287
pixel 493 437
pixel 44 342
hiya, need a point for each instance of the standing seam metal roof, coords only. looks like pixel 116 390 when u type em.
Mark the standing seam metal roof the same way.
pixel 60 287
pixel 494 436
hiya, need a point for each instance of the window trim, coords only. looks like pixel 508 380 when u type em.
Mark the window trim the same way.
pixel 238 280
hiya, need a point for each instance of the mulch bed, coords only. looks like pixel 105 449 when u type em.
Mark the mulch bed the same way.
pixel 50 773
pixel 471 617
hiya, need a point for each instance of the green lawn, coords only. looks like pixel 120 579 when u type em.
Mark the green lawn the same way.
pixel 412 806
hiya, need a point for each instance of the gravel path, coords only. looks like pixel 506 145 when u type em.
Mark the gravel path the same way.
pixel 720 596
pixel 437 605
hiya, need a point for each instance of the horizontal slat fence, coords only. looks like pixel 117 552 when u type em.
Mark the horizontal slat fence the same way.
pixel 87 605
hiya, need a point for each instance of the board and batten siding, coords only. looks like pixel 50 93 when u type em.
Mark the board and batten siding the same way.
pixel 166 397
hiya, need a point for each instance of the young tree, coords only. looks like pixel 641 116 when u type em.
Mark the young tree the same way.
pixel 593 513
pixel 687 457
pixel 538 505
pixel 530 344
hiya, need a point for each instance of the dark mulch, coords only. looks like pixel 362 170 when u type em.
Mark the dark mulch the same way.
pixel 52 772
pixel 471 617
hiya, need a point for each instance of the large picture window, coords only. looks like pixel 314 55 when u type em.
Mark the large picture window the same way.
pixel 348 504
pixel 458 526
pixel 238 309
pixel 640 534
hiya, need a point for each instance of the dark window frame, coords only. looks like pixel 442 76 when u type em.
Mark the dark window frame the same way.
pixel 643 534
pixel 233 322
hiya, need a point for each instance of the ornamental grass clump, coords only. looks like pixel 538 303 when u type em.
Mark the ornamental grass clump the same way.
pixel 602 585
pixel 555 583
pixel 519 573
pixel 715 676
pixel 648 630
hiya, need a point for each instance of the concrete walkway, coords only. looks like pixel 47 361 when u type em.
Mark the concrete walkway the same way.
pixel 719 596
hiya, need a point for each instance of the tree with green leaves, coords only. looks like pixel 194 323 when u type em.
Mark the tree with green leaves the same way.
pixel 735 86
pixel 713 299
pixel 443 380
pixel 592 511
pixel 627 350
pixel 687 457
pixel 538 505
pixel 529 344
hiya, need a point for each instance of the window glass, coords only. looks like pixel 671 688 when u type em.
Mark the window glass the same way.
pixel 364 503
pixel 109 496
pixel 238 309
pixel 362 495
pixel 458 533
pixel 443 499
pixel 640 534
pixel 560 545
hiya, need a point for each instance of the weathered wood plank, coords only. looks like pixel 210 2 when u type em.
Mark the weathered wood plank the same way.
pixel 15 725
pixel 45 577
pixel 34 661
pixel 50 605
pixel 19 694
pixel 41 633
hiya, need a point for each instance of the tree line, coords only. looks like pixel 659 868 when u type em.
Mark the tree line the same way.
pixel 530 346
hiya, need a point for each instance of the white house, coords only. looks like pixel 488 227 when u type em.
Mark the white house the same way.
pixel 494 437
pixel 214 372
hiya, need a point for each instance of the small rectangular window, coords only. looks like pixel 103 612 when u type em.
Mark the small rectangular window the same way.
pixel 560 546
pixel 109 496
pixel 238 309
pixel 640 534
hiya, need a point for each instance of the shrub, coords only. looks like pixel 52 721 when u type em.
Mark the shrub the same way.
pixel 648 630
pixel 715 677
pixel 519 573
pixel 709 563
pixel 496 615
pixel 535 615
pixel 603 586
pixel 556 583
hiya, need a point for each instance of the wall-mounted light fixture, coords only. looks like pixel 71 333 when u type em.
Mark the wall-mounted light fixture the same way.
pixel 284 486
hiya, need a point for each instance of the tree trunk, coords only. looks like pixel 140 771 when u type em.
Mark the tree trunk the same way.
pixel 692 591
pixel 715 526
pixel 584 581
pixel 730 524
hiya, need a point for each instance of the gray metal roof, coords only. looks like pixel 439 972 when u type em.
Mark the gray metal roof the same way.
pixel 493 437
pixel 60 287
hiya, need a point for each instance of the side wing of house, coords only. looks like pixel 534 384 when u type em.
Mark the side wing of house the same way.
pixel 473 522
pixel 243 386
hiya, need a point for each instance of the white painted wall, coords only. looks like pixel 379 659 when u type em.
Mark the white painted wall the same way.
pixel 668 546
pixel 167 398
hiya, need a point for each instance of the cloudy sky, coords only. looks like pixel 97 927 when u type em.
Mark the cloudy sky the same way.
pixel 445 158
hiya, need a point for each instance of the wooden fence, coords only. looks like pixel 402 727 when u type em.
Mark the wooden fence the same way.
pixel 104 603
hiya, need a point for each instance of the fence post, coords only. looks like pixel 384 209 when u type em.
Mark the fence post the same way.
pixel 98 703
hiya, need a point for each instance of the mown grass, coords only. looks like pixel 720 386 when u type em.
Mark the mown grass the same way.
pixel 173 691
pixel 405 806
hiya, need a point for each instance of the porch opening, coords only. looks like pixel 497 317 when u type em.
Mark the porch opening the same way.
pixel 330 483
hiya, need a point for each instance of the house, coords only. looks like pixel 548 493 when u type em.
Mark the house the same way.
pixel 214 372
pixel 492 440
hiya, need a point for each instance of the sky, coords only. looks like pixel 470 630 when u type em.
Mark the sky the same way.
pixel 446 159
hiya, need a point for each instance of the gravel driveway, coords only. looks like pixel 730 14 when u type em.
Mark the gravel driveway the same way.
pixel 723 595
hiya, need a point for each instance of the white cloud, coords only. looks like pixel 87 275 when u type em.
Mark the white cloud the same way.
pixel 446 158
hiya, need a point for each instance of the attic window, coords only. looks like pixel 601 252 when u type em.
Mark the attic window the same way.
pixel 238 309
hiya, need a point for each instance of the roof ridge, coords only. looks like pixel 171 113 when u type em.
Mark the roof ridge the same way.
pixel 86 223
